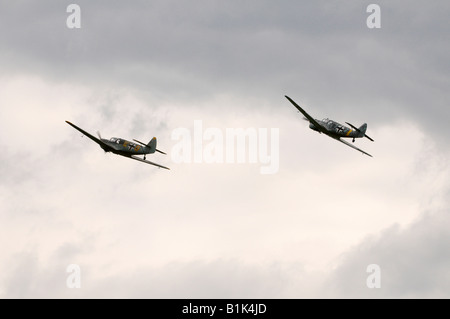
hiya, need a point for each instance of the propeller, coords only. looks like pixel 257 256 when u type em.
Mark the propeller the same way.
pixel 98 133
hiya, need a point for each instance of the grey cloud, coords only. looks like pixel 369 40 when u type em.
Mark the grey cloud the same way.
pixel 29 276
pixel 318 50
pixel 414 262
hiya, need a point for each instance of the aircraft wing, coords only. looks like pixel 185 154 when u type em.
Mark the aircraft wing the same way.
pixel 96 140
pixel 308 117
pixel 351 145
pixel 145 161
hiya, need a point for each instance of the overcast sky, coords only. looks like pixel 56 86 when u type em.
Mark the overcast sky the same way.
pixel 138 69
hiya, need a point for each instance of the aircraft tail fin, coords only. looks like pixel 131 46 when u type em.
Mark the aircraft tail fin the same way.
pixel 362 130
pixel 152 145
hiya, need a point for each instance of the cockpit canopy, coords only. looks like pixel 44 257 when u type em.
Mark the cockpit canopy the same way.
pixel 115 140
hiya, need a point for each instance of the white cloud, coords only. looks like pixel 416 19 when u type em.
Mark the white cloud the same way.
pixel 117 219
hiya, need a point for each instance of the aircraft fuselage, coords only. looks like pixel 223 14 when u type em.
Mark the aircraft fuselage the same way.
pixel 335 129
pixel 124 147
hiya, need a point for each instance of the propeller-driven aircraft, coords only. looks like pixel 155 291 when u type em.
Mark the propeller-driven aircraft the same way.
pixel 123 147
pixel 334 129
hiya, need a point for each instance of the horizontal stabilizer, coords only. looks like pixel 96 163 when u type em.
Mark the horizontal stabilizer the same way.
pixel 140 142
pixel 160 152
pixel 359 131
pixel 148 145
